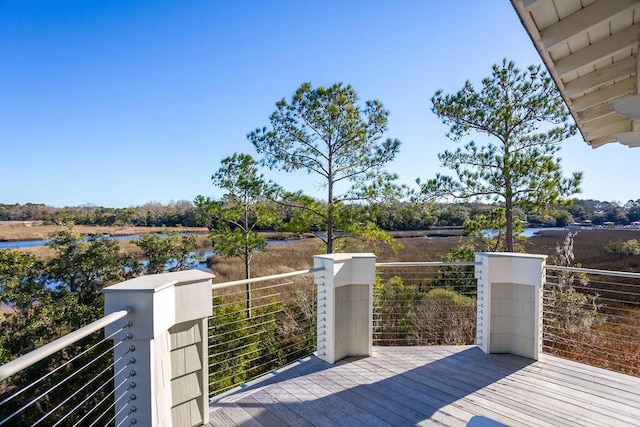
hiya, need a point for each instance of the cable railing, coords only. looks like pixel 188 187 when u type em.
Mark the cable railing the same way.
pixel 68 382
pixel 260 325
pixel 424 303
pixel 593 317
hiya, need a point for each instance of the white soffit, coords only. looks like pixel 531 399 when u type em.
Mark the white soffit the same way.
pixel 590 47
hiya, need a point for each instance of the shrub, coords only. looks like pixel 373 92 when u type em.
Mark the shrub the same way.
pixel 444 317
pixel 459 278
pixel 229 330
pixel 405 315
pixel 392 302
pixel 572 311
pixel 629 247
pixel 297 331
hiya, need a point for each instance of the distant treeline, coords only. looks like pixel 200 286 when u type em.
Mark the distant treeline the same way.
pixel 150 214
pixel 399 216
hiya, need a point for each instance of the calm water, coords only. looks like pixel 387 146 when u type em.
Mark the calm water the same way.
pixel 531 231
pixel 32 243
pixel 200 255
pixel 22 244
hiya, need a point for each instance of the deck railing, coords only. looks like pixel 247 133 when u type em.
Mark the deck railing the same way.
pixel 425 303
pixel 593 317
pixel 68 382
pixel 260 325
pixel 159 363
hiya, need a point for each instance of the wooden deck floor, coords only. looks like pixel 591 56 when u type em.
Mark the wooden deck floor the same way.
pixel 442 385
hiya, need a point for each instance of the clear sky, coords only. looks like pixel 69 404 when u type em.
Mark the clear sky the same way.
pixel 118 103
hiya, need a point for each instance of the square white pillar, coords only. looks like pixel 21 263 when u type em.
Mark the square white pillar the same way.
pixel 163 361
pixel 345 305
pixel 510 290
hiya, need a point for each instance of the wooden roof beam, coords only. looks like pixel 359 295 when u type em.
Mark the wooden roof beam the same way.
pixel 616 71
pixel 602 122
pixel 616 90
pixel 583 20
pixel 599 142
pixel 601 49
pixel 622 125
pixel 595 112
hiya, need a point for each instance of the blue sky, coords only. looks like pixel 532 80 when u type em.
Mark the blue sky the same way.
pixel 118 103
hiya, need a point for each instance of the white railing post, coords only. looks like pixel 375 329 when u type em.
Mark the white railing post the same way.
pixel 510 287
pixel 163 363
pixel 345 305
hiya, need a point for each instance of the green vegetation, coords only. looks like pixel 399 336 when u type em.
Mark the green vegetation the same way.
pixel 422 314
pixel 150 214
pixel 244 208
pixel 458 278
pixel 629 247
pixel 86 265
pixel 569 310
pixel 280 331
pixel 41 301
pixel 387 216
pixel 325 132
pixel 162 251
pixel 518 167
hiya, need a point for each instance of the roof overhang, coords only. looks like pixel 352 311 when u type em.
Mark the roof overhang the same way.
pixel 590 47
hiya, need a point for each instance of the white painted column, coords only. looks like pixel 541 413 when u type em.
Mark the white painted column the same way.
pixel 345 305
pixel 510 290
pixel 162 368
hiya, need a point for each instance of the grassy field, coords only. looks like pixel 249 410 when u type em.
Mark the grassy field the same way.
pixel 28 230
pixel 589 248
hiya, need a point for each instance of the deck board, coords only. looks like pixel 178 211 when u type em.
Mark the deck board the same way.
pixel 440 385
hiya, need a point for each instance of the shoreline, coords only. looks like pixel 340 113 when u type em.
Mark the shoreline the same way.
pixel 15 231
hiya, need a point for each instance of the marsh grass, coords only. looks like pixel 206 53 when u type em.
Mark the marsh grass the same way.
pixel 32 230
pixel 299 255
pixel 589 248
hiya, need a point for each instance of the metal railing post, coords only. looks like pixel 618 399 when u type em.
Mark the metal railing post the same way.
pixel 165 360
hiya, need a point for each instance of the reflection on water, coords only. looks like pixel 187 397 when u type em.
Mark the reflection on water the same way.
pixel 22 244
pixel 202 255
pixel 528 232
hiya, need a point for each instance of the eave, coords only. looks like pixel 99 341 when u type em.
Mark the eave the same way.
pixel 590 48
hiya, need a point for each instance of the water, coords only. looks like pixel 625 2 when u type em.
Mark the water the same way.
pixel 528 232
pixel 22 244
pixel 33 243
pixel 201 255
pixel 531 231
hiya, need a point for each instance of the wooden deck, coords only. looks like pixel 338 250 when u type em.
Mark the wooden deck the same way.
pixel 442 385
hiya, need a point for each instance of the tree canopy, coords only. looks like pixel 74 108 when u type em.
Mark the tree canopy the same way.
pixel 525 119
pixel 326 132
pixel 87 264
pixel 243 209
pixel 167 253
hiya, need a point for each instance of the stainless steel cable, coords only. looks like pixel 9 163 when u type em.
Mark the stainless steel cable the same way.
pixel 58 384
pixel 62 366
pixel 115 401
pixel 77 391
pixel 97 405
